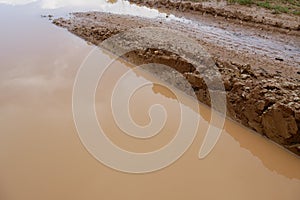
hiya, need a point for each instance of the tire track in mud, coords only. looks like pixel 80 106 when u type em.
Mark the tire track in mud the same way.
pixel 242 41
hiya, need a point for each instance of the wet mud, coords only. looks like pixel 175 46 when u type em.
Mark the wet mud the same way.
pixel 263 92
pixel 251 14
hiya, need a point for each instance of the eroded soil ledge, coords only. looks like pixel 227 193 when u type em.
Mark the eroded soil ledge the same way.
pixel 262 93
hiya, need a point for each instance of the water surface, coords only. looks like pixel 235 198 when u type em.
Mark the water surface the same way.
pixel 41 156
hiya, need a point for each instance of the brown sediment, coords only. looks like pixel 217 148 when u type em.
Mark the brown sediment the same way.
pixel 263 93
pixel 252 14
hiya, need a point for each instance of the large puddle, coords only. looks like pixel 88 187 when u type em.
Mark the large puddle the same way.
pixel 42 157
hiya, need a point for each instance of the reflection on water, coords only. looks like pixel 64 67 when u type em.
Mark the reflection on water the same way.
pixel 114 6
pixel 41 156
pixel 16 2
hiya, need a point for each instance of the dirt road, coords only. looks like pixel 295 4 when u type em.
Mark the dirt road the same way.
pixel 260 67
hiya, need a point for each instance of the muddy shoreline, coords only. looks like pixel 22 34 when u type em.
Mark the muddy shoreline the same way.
pixel 263 93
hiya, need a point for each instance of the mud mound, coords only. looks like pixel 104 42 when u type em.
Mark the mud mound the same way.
pixel 259 97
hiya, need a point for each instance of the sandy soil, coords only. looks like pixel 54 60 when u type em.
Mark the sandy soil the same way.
pixel 262 81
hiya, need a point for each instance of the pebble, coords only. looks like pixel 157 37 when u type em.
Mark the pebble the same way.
pixel 244 76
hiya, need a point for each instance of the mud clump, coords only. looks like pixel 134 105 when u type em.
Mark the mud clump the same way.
pixel 258 97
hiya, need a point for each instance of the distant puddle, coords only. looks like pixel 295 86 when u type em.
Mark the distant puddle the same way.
pixel 114 6
pixel 41 156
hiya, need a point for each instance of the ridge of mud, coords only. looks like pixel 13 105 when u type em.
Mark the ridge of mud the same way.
pixel 261 97
pixel 251 14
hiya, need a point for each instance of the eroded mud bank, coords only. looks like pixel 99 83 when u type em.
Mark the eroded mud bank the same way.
pixel 262 93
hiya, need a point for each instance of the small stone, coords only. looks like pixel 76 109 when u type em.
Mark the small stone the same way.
pixel 260 105
pixel 244 76
pixel 244 95
pixel 165 57
pixel 279 59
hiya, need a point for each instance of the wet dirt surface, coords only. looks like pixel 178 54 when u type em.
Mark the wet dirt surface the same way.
pixel 42 157
pixel 221 8
pixel 262 90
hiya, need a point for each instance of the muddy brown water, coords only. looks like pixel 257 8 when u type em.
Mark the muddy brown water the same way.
pixel 42 157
